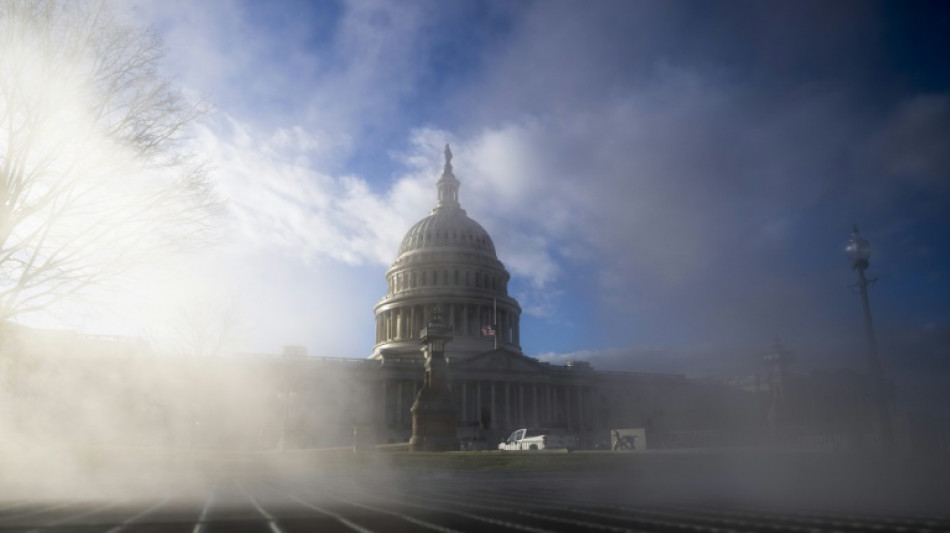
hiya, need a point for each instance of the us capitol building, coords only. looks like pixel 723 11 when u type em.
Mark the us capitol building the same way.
pixel 446 261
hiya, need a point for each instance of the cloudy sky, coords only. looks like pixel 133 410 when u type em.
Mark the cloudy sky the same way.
pixel 671 184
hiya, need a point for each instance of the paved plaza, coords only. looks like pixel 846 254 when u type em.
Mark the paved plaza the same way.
pixel 665 494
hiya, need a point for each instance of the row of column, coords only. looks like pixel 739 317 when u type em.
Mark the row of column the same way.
pixel 497 405
pixel 468 278
pixel 398 396
pixel 404 323
pixel 509 405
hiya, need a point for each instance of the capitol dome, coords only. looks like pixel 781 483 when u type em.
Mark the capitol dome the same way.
pixel 447 261
pixel 447 228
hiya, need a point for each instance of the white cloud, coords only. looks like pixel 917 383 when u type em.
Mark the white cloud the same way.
pixel 581 147
pixel 278 198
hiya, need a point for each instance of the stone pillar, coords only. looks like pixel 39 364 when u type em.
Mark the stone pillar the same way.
pixel 399 404
pixel 521 410
pixel 478 406
pixel 494 419
pixel 465 328
pixel 508 405
pixel 472 320
pixel 464 416
pixel 547 405
pixel 534 404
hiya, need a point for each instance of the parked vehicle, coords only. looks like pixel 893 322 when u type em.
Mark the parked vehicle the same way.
pixel 538 439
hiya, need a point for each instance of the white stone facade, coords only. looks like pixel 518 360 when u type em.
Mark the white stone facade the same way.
pixel 447 260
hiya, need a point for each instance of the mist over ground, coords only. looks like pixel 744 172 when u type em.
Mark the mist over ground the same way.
pixel 186 188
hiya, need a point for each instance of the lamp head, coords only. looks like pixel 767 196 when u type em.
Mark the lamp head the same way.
pixel 858 250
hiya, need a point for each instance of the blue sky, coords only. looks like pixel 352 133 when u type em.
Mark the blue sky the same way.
pixel 671 184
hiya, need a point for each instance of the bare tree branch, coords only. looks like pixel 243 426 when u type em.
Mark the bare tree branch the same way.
pixel 96 175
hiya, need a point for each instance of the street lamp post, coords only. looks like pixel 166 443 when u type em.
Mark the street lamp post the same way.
pixel 858 251
pixel 777 360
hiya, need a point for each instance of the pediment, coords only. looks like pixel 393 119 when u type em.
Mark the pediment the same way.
pixel 500 360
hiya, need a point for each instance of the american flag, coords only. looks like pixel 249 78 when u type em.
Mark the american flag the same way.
pixel 488 331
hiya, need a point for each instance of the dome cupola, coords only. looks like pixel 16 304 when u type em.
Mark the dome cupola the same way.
pixel 447 260
pixel 448 184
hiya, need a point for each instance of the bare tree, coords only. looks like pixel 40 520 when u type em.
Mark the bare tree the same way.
pixel 95 173
pixel 203 327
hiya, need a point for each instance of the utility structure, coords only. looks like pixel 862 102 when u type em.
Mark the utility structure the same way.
pixel 858 251
pixel 434 418
pixel 777 360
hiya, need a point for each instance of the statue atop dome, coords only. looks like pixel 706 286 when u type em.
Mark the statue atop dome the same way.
pixel 448 184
